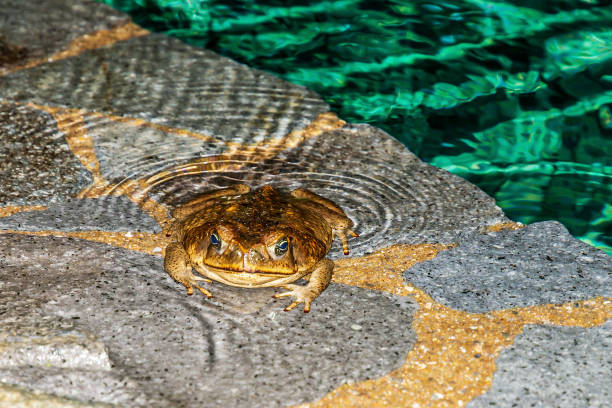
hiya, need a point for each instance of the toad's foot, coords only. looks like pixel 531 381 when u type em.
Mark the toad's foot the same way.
pixel 177 266
pixel 302 294
pixel 319 279
pixel 198 287
pixel 190 283
pixel 341 233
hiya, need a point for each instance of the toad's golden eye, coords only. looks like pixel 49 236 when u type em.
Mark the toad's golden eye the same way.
pixel 215 240
pixel 281 247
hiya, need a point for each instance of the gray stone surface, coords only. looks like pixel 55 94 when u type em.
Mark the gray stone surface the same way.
pixel 38 29
pixel 37 165
pixel 541 263
pixel 392 196
pixel 554 367
pixel 105 214
pixel 19 397
pixel 128 150
pixel 110 326
pixel 167 82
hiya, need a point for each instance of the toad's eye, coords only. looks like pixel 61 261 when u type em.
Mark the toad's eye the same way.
pixel 281 247
pixel 215 240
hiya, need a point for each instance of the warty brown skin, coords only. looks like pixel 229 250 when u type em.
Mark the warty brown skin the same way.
pixel 256 239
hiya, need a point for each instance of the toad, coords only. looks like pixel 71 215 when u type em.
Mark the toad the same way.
pixel 256 239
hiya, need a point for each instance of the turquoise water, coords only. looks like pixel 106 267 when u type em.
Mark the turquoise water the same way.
pixel 514 96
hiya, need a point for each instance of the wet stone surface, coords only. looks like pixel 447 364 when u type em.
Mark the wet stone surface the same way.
pixel 128 150
pixel 239 350
pixel 541 263
pixel 10 53
pixel 105 214
pixel 167 82
pixel 38 29
pixel 554 366
pixel 37 164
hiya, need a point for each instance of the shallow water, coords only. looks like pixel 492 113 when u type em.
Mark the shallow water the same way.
pixel 514 96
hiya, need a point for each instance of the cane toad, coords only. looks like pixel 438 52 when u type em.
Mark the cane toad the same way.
pixel 256 239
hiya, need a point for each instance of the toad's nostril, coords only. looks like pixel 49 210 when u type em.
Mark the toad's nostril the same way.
pixel 254 255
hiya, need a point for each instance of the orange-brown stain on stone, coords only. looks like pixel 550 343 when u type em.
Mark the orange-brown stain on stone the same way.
pixel 136 191
pixel 14 209
pixel 152 244
pixel 265 149
pixel 453 359
pixel 71 122
pixel 238 155
pixel 86 42
pixel 383 269
pixel 505 226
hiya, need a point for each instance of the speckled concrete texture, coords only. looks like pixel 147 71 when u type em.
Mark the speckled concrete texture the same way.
pixel 18 397
pixel 25 26
pixel 37 164
pixel 106 214
pixel 554 367
pixel 113 327
pixel 169 83
pixel 541 263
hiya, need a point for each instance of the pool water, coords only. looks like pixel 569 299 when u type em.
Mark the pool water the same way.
pixel 514 96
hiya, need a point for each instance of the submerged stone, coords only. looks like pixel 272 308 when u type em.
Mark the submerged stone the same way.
pixel 37 164
pixel 105 214
pixel 34 30
pixel 167 82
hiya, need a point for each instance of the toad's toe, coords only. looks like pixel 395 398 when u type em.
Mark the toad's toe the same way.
pixel 302 294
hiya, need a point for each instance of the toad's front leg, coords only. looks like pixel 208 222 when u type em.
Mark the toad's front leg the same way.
pixel 319 280
pixel 176 263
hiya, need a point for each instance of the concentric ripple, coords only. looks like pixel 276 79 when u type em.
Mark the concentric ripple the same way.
pixel 390 195
pixel 37 164
pixel 167 83
pixel 392 199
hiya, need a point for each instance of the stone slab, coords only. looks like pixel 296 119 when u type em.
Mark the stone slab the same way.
pixel 37 164
pixel 31 344
pixel 104 214
pixel 167 82
pixel 539 264
pixel 31 30
pixel 128 150
pixel 169 349
pixel 18 397
pixel 554 366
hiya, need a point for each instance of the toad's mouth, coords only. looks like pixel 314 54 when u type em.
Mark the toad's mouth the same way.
pixel 254 278
pixel 246 268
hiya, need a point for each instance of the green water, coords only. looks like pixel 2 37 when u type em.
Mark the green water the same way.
pixel 514 96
